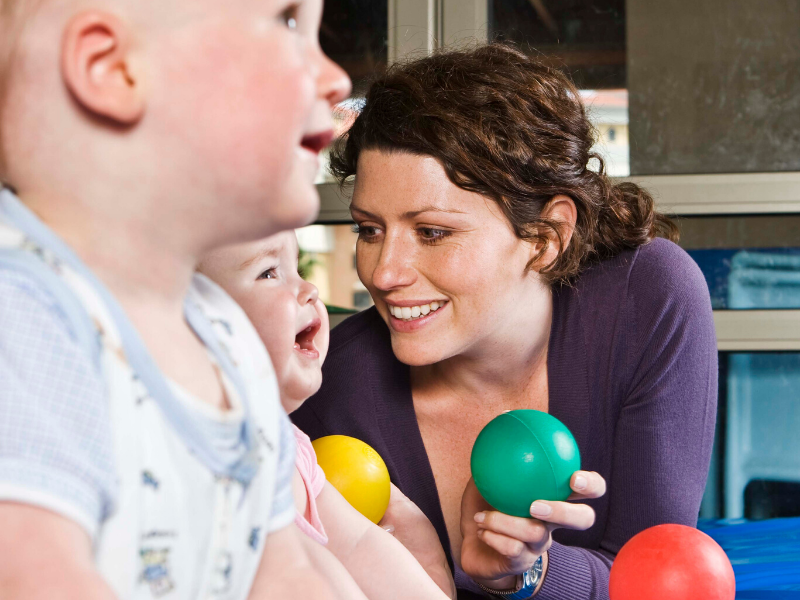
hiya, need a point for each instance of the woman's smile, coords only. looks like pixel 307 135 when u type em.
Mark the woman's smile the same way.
pixel 410 318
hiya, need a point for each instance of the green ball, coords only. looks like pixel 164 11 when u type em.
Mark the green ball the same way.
pixel 522 456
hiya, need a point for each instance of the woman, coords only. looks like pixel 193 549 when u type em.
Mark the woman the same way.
pixel 508 274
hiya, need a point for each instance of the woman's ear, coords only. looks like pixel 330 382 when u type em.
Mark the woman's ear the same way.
pixel 560 209
pixel 96 67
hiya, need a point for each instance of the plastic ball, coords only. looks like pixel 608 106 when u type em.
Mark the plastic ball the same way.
pixel 522 456
pixel 357 471
pixel 672 562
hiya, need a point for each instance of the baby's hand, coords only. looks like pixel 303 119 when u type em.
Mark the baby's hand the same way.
pixel 411 527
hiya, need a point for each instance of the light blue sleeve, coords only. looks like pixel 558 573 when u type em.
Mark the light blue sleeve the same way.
pixel 56 448
pixel 283 509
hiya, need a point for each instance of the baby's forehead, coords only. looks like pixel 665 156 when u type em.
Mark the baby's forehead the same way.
pixel 281 245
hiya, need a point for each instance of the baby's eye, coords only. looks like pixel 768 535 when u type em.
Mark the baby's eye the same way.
pixel 271 273
pixel 289 16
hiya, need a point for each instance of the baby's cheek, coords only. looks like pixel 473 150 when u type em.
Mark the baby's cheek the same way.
pixel 240 103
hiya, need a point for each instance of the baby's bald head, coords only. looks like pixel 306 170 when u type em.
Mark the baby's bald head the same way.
pixel 199 112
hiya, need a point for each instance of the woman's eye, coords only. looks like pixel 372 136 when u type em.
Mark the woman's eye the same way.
pixel 271 273
pixel 289 16
pixel 432 235
pixel 365 232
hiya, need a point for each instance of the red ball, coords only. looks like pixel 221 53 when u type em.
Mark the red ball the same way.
pixel 672 562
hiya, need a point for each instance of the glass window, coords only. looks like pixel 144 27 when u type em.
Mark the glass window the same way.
pixel 354 34
pixel 328 260
pixel 756 468
pixel 749 262
pixel 587 40
pixel 709 85
pixel 584 37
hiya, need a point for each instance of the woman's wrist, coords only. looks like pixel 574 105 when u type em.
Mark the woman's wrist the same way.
pixel 504 583
pixel 512 582
pixel 545 561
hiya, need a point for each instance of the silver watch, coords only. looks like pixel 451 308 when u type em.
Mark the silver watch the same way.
pixel 526 586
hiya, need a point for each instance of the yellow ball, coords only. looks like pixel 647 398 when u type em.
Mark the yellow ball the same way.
pixel 357 471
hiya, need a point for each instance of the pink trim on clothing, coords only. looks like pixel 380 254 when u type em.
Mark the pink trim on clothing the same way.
pixel 314 480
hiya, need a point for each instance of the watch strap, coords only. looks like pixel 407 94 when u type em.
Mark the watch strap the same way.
pixel 526 586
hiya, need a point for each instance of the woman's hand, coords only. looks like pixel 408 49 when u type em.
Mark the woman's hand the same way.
pixel 411 527
pixel 497 547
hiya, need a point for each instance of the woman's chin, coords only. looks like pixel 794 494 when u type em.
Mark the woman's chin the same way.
pixel 416 354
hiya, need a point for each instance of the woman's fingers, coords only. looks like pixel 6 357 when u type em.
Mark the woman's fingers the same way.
pixel 586 484
pixel 564 514
pixel 528 531
pixel 517 553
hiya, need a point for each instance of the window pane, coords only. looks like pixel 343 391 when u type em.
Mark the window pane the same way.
pixel 749 262
pixel 354 33
pixel 756 468
pixel 328 255
pixel 587 40
pixel 584 37
pixel 712 85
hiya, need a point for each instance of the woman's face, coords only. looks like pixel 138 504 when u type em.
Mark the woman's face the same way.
pixel 443 265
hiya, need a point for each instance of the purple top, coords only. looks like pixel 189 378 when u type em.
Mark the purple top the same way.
pixel 632 369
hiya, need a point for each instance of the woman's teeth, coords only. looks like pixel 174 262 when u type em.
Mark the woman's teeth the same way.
pixel 409 313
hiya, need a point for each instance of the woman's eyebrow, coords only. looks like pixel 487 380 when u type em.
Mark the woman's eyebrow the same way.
pixel 362 211
pixel 412 213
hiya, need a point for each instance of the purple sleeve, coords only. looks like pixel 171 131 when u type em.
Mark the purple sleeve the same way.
pixel 665 428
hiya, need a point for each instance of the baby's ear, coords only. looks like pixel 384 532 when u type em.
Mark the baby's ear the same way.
pixel 97 70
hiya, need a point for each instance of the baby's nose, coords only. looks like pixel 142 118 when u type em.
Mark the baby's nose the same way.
pixel 308 293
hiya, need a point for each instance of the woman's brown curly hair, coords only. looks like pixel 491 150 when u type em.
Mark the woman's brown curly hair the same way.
pixel 514 130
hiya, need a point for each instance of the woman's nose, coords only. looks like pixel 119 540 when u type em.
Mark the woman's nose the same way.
pixel 394 268
pixel 308 293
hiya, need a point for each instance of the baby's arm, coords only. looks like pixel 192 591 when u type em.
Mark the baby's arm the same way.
pixel 412 528
pixel 44 556
pixel 56 470
pixel 329 566
pixel 289 570
pixel 380 564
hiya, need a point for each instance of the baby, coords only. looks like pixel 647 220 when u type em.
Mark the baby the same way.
pixel 144 452
pixel 293 324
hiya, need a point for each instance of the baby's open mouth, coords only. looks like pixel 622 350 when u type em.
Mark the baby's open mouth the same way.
pixel 304 341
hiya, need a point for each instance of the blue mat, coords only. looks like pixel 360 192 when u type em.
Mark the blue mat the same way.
pixel 767 595
pixel 765 556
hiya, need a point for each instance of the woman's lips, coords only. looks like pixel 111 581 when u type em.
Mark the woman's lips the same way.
pixel 413 309
pixel 414 323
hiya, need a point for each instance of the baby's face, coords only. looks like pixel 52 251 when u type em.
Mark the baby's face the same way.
pixel 285 310
pixel 240 98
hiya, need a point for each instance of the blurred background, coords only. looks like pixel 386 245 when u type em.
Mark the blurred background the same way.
pixel 698 100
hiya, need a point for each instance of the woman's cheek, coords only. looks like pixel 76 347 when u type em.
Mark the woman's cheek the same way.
pixel 365 262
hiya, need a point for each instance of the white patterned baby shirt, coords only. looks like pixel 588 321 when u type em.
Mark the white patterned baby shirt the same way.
pixel 178 497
